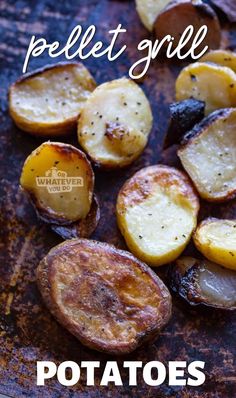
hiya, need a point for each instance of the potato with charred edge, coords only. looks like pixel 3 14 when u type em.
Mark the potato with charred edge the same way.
pixel 221 57
pixel 157 212
pixel 203 282
pixel 60 181
pixel 48 101
pixel 115 123
pixel 216 240
pixel 213 84
pixel 179 14
pixel 183 117
pixel 208 154
pixel 104 296
pixel 148 10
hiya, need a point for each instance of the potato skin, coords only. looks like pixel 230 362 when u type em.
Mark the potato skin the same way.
pixel 119 302
pixel 213 250
pixel 138 188
pixel 191 136
pixel 182 13
pixel 44 128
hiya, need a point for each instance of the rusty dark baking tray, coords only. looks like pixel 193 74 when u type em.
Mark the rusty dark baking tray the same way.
pixel 27 331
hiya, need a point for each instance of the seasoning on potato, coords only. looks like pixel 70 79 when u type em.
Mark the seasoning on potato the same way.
pixel 203 282
pixel 104 296
pixel 221 57
pixel 48 101
pixel 60 182
pixel 216 240
pixel 148 11
pixel 115 123
pixel 213 84
pixel 156 212
pixel 208 154
pixel 179 14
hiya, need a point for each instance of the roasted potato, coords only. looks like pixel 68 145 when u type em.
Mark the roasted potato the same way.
pixel 82 228
pixel 48 101
pixel 221 57
pixel 156 212
pixel 114 124
pixel 179 14
pixel 208 154
pixel 104 296
pixel 203 282
pixel 214 84
pixel 183 117
pixel 216 240
pixel 60 181
pixel 148 11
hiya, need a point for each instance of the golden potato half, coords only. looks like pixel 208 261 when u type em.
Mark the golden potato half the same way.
pixel 148 10
pixel 48 101
pixel 115 123
pixel 214 84
pixel 104 296
pixel 156 212
pixel 216 240
pixel 221 57
pixel 208 154
pixel 59 180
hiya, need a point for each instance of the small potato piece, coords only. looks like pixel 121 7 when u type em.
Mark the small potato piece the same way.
pixel 208 154
pixel 115 123
pixel 59 180
pixel 104 296
pixel 48 101
pixel 179 14
pixel 216 240
pixel 156 212
pixel 221 57
pixel 203 282
pixel 214 84
pixel 148 11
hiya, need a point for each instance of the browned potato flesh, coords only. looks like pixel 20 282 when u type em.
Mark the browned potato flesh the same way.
pixel 208 154
pixel 59 180
pixel 204 282
pixel 179 14
pixel 104 296
pixel 48 101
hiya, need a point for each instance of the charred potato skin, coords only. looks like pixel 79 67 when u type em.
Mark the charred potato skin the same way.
pixel 209 253
pixel 45 129
pixel 197 131
pixel 184 283
pixel 46 274
pixel 82 228
pixel 203 15
pixel 47 215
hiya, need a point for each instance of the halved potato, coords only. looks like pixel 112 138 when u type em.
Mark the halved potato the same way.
pixel 179 14
pixel 82 228
pixel 48 101
pixel 60 181
pixel 216 240
pixel 156 212
pixel 208 154
pixel 115 123
pixel 104 296
pixel 203 282
pixel 214 84
pixel 148 11
pixel 221 57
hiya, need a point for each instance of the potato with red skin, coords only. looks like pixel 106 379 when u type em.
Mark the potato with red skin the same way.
pixel 104 296
pixel 179 14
